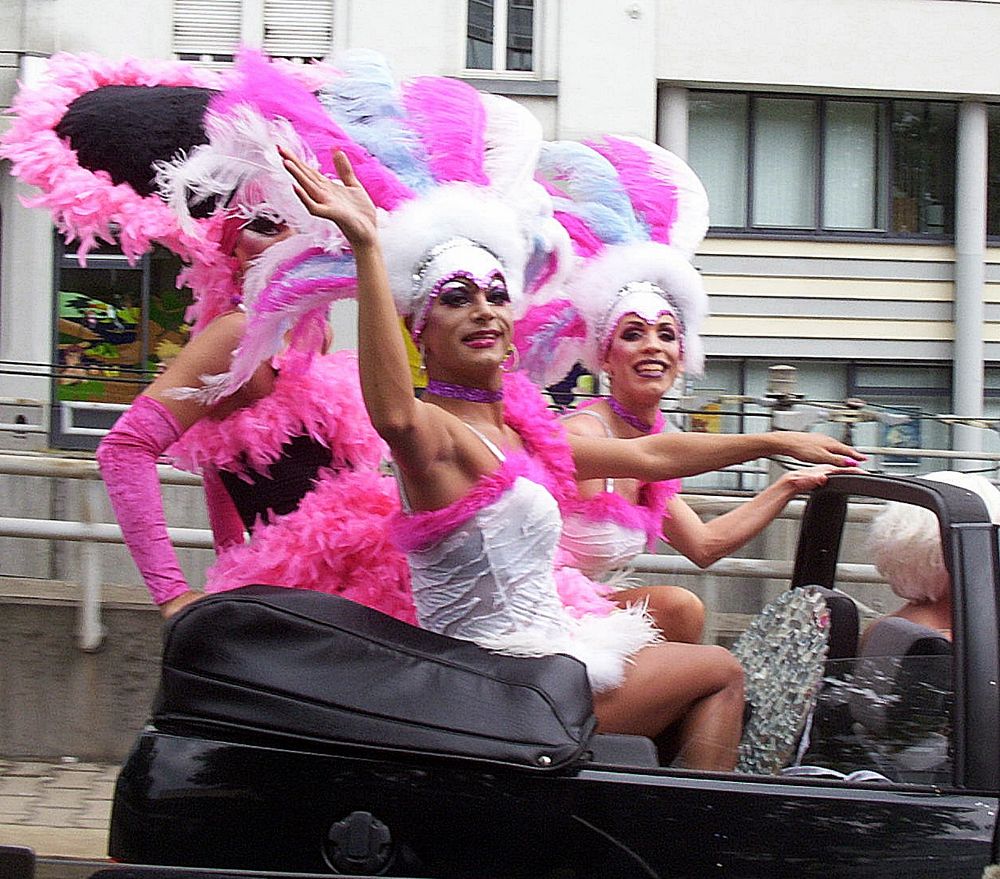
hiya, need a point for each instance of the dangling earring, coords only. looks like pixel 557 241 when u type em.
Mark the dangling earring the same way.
pixel 512 354
pixel 423 366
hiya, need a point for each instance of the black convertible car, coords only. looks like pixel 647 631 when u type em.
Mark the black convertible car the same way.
pixel 299 733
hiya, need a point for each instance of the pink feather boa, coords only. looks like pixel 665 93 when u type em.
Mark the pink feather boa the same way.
pixel 86 204
pixel 315 395
pixel 547 459
pixel 337 541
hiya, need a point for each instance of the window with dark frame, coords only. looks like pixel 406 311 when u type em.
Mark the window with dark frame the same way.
pixel 520 34
pixel 500 35
pixel 479 35
pixel 780 164
pixel 117 326
pixel 993 172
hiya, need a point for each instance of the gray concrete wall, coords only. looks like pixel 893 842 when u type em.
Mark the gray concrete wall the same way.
pixel 56 700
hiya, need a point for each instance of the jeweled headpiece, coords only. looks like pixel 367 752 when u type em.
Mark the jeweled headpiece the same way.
pixel 635 213
pixel 457 257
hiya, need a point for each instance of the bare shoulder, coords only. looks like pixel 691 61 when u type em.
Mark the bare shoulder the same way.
pixel 580 423
pixel 226 328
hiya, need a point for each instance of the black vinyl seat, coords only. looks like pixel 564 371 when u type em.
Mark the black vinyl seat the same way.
pixel 901 700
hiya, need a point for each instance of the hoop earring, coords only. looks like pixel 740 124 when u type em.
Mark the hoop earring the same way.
pixel 512 354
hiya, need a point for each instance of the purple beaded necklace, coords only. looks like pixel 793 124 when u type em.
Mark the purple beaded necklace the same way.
pixel 634 420
pixel 462 392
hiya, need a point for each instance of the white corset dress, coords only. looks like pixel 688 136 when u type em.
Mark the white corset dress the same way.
pixel 599 547
pixel 491 580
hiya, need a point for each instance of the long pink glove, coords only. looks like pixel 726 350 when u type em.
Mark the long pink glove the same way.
pixel 127 460
pixel 227 526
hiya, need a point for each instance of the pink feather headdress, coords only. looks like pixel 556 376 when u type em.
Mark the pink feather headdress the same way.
pixel 86 204
pixel 635 214
pixel 467 160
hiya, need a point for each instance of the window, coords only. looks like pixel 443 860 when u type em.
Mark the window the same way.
pixel 212 30
pixel 117 326
pixel 500 35
pixel 993 172
pixel 300 29
pixel 206 31
pixel 827 166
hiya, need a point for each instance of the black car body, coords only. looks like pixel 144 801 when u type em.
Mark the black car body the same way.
pixel 398 752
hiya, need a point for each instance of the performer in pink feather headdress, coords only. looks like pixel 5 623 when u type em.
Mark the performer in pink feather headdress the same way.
pixel 143 152
pixel 481 462
pixel 632 309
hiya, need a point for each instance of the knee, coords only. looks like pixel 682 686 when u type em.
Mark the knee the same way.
pixel 689 607
pixel 729 669
pixel 680 615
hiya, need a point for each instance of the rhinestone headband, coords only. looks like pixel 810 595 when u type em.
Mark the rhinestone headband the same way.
pixel 643 289
pixel 424 293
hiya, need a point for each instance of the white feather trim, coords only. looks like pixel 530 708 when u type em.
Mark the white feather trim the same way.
pixel 240 166
pixel 603 644
pixel 596 283
pixel 454 210
pixel 513 137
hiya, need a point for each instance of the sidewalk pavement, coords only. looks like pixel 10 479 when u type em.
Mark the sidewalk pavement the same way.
pixel 59 808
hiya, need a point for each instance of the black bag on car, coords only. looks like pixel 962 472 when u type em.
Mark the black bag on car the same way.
pixel 264 660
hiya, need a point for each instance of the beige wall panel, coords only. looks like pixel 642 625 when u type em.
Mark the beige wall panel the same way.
pixel 829 288
pixel 820 328
pixel 831 250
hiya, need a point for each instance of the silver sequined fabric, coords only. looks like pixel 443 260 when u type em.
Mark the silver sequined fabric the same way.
pixel 783 654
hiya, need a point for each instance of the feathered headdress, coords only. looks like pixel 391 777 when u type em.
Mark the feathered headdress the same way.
pixel 635 213
pixel 88 134
pixel 461 167
pixel 439 159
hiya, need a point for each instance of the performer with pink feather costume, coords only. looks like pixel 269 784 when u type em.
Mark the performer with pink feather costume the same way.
pixel 254 402
pixel 480 460
pixel 633 310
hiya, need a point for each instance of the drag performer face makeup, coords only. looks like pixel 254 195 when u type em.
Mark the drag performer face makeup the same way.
pixel 464 321
pixel 644 357
pixel 256 235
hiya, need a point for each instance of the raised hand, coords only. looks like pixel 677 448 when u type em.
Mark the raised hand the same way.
pixel 344 201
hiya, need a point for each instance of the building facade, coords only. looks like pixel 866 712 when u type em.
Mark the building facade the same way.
pixel 851 150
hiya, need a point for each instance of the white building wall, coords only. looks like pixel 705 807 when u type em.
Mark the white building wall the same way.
pixel 111 28
pixel 602 68
pixel 607 74
pixel 25 289
pixel 928 47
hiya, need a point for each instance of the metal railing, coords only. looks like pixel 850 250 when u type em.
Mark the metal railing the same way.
pixel 90 532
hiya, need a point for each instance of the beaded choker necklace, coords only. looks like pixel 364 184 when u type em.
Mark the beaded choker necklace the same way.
pixel 634 420
pixel 461 392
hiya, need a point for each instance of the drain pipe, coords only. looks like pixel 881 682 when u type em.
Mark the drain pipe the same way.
pixel 970 275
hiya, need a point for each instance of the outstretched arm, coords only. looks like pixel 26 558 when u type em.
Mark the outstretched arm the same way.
pixel 400 419
pixel 704 543
pixel 675 455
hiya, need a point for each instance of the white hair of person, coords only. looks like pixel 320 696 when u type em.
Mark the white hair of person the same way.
pixel 905 540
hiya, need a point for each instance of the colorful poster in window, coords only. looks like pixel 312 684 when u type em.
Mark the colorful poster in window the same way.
pixel 903 436
pixel 99 348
